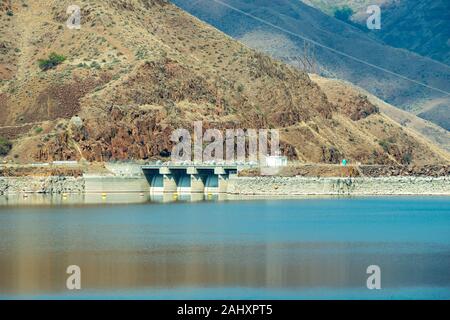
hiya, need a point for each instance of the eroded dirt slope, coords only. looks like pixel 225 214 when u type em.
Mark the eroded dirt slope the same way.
pixel 137 69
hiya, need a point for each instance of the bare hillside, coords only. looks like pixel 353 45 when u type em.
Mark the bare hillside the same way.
pixel 137 69
pixel 437 135
pixel 292 17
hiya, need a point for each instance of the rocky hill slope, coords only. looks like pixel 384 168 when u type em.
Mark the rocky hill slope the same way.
pixel 335 88
pixel 359 7
pixel 422 27
pixel 137 69
pixel 419 26
pixel 298 18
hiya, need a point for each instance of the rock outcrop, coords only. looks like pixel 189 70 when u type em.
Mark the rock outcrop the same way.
pixel 295 186
pixel 44 185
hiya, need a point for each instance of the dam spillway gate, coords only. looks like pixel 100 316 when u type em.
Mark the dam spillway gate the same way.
pixel 204 179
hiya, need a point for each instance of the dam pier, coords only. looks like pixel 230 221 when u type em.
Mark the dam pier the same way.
pixel 188 178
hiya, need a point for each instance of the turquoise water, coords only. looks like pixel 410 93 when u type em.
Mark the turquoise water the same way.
pixel 254 249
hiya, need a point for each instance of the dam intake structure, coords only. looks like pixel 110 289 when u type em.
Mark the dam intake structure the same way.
pixel 190 178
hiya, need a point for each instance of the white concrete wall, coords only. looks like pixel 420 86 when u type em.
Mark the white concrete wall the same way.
pixel 112 184
pixel 45 185
pixel 124 169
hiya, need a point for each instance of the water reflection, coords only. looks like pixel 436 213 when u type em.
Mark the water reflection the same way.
pixel 110 198
pixel 280 248
pixel 134 198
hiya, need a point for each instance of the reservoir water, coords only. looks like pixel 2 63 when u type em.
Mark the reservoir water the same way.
pixel 131 246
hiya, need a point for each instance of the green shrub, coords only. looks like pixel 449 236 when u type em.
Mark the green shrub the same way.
pixel 95 65
pixel 407 158
pixel 343 13
pixel 385 145
pixel 5 146
pixel 10 13
pixel 38 130
pixel 52 61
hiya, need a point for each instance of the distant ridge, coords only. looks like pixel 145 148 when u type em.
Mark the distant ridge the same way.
pixel 137 70
pixel 300 18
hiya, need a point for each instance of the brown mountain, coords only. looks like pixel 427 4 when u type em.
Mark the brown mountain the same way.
pixel 289 22
pixel 421 26
pixel 137 69
pixel 334 88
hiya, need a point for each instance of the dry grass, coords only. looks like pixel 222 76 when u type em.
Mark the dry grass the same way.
pixel 139 69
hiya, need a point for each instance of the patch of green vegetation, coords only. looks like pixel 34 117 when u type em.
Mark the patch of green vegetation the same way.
pixel 10 13
pixel 38 130
pixel 407 158
pixel 343 13
pixel 5 146
pixel 385 145
pixel 52 61
pixel 95 65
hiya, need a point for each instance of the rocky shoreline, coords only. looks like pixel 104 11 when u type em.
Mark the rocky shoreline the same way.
pixel 262 185
pixel 44 185
pixel 288 186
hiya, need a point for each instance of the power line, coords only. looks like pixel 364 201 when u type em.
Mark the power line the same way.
pixel 329 48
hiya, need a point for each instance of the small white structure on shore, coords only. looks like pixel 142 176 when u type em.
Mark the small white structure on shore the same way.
pixel 276 161
pixel 65 163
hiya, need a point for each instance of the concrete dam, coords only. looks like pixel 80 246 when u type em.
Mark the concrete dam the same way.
pixel 178 178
